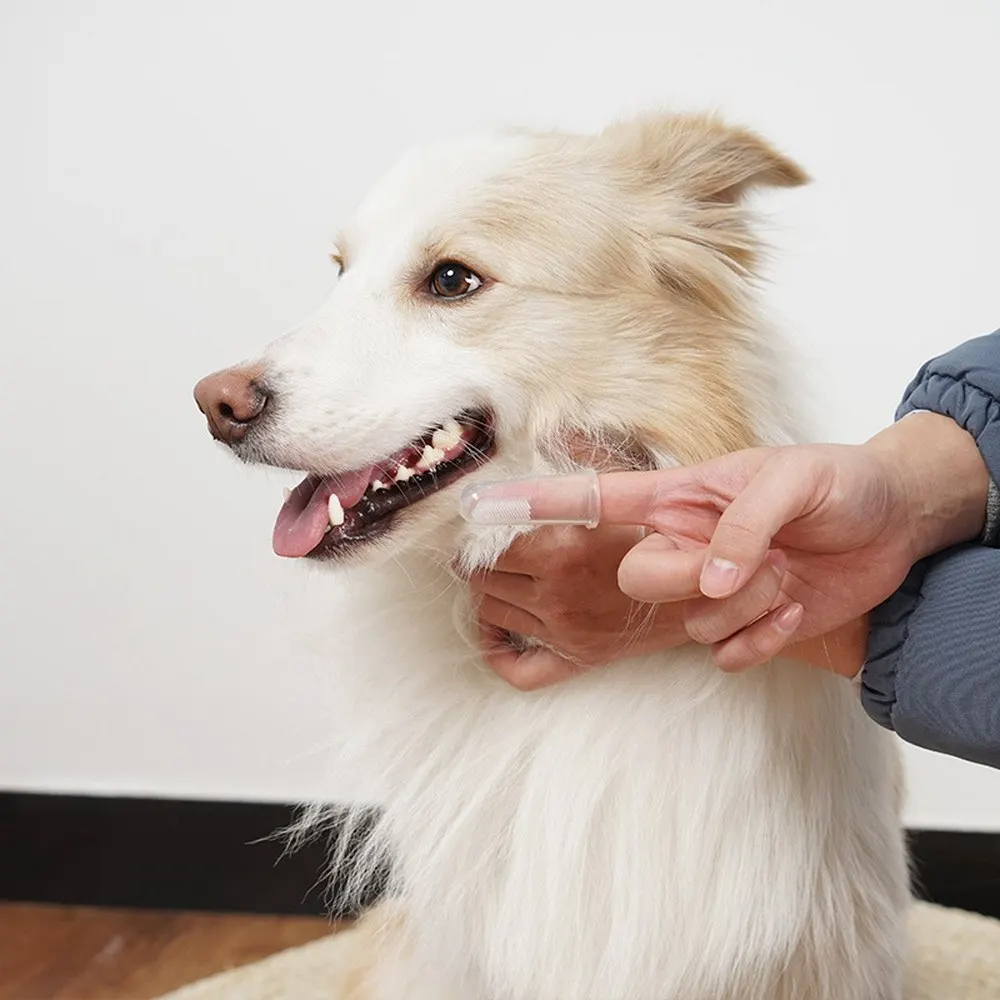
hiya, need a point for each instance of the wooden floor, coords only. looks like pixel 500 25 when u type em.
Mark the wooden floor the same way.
pixel 78 953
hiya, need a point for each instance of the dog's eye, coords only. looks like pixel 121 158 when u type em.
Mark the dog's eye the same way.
pixel 452 280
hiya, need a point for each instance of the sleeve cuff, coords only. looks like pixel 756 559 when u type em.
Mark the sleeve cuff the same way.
pixel 889 625
pixel 971 407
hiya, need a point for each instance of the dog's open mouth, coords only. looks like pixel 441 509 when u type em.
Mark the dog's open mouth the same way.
pixel 325 514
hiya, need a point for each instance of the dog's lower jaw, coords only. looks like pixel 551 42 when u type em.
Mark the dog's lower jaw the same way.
pixel 710 836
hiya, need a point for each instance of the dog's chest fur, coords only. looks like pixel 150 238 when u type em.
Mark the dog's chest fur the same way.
pixel 657 830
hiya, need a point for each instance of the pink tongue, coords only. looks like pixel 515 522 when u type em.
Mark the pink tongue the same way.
pixel 303 519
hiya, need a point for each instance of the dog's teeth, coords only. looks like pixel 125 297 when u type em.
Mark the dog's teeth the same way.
pixel 445 438
pixel 378 485
pixel 286 494
pixel 429 457
pixel 403 473
pixel 336 510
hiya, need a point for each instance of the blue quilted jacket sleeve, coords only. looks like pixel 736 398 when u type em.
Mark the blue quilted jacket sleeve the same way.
pixel 933 670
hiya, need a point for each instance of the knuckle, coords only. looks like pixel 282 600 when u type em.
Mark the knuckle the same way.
pixel 757 597
pixel 704 629
pixel 522 680
pixel 762 645
pixel 730 658
pixel 532 671
pixel 659 499
pixel 751 649
pixel 738 533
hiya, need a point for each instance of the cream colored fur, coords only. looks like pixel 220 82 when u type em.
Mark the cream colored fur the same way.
pixel 652 831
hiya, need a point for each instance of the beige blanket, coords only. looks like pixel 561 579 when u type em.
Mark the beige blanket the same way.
pixel 956 956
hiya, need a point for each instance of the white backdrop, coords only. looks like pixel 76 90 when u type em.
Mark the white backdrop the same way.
pixel 170 177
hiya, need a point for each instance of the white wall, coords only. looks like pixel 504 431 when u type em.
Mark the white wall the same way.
pixel 170 176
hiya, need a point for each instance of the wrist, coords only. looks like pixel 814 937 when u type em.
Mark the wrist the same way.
pixel 842 651
pixel 938 478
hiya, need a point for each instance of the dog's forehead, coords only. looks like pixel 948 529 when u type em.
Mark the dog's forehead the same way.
pixel 431 183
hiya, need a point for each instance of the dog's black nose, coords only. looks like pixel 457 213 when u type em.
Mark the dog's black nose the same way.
pixel 231 401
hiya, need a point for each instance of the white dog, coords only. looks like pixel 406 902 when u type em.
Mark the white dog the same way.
pixel 656 830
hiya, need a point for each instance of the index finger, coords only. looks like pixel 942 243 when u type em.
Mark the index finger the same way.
pixel 577 498
pixel 636 497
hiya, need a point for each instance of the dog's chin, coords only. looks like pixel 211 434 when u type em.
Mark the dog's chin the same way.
pixel 355 514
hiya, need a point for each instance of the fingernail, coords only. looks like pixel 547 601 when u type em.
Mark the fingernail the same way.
pixel 787 619
pixel 719 578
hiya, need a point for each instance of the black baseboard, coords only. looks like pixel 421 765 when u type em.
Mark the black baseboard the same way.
pixel 161 854
pixel 221 856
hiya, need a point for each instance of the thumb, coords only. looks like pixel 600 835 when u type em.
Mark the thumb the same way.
pixel 781 491
pixel 655 571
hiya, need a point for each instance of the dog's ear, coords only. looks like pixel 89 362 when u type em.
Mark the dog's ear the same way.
pixel 686 176
pixel 701 157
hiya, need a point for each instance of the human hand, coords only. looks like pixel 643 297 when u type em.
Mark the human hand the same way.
pixel 834 512
pixel 559 585
pixel 851 520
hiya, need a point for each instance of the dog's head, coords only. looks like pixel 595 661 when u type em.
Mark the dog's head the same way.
pixel 501 302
